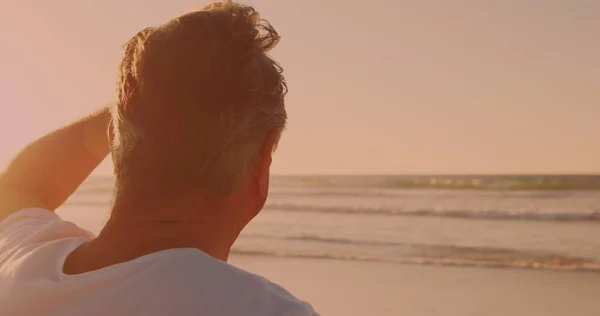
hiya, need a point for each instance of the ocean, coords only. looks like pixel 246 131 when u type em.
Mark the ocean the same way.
pixel 521 221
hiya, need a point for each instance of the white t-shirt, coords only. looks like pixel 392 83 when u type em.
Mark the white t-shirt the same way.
pixel 34 244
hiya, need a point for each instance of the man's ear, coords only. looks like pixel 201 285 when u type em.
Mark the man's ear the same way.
pixel 265 158
pixel 111 133
pixel 269 145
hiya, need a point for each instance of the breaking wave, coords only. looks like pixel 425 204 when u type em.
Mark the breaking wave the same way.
pixel 496 182
pixel 467 214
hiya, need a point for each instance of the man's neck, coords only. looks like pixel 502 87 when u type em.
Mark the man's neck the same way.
pixel 131 233
pixel 142 237
pixel 121 241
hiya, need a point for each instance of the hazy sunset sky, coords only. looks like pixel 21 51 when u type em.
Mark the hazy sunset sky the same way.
pixel 508 86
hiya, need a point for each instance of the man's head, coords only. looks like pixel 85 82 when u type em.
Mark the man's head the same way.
pixel 200 107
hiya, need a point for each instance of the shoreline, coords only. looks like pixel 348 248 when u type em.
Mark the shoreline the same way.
pixel 434 262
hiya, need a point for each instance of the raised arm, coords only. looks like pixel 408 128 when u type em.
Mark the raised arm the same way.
pixel 46 172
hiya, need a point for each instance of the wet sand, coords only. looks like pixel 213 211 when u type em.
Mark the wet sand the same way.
pixel 364 288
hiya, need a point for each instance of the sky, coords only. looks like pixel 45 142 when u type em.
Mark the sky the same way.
pixel 376 87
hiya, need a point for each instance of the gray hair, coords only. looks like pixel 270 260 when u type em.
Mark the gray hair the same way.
pixel 196 98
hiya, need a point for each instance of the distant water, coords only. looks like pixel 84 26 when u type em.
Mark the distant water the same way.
pixel 550 222
pixel 486 182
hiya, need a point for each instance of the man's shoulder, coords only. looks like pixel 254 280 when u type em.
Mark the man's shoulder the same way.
pixel 36 226
pixel 245 293
pixel 273 294
pixel 259 296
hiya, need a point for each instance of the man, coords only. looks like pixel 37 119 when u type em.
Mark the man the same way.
pixel 200 110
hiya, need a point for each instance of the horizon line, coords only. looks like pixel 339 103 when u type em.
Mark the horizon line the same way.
pixel 411 174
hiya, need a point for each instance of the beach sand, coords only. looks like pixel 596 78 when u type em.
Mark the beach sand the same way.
pixel 366 288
